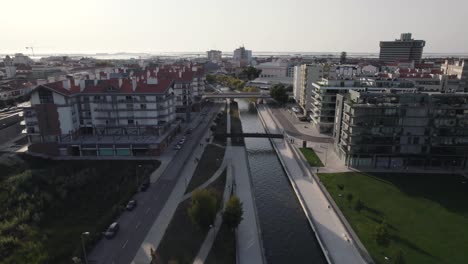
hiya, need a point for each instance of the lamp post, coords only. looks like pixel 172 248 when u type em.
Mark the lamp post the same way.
pixel 83 245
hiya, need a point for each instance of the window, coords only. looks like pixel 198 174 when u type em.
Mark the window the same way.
pixel 130 121
pixel 128 98
pixel 46 97
pixel 143 106
pixel 129 106
pixel 143 98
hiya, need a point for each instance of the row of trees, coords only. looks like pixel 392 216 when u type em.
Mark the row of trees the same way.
pixel 206 203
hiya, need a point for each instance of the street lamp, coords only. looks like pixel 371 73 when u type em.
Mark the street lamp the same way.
pixel 83 245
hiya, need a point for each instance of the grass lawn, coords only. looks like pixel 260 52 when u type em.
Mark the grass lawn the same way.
pixel 427 214
pixel 220 128
pixel 236 125
pixel 209 163
pixel 65 199
pixel 182 238
pixel 312 158
pixel 224 248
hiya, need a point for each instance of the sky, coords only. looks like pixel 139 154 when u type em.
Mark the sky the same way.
pixel 152 26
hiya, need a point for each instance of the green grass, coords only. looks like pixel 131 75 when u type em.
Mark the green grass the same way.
pixel 67 198
pixel 209 163
pixel 427 214
pixel 224 248
pixel 312 158
pixel 236 125
pixel 182 238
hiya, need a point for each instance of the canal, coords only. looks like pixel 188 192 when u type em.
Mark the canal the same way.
pixel 286 234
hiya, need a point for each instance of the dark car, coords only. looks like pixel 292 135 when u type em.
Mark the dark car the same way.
pixel 144 186
pixel 131 205
pixel 112 230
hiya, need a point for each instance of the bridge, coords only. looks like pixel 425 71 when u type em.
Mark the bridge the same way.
pixel 237 95
pixel 249 135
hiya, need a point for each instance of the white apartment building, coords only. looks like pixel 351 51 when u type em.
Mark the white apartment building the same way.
pixel 459 68
pixel 304 76
pixel 134 116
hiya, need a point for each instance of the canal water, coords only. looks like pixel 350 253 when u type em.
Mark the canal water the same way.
pixel 286 234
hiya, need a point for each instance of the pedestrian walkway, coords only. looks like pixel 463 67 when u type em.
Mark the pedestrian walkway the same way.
pixel 213 178
pixel 331 232
pixel 249 243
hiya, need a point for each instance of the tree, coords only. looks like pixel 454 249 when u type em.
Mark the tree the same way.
pixel 340 186
pixel 278 92
pixel 343 57
pixel 398 257
pixel 232 215
pixel 210 78
pixel 249 73
pixel 349 197
pixel 203 208
pixel 381 235
pixel 358 205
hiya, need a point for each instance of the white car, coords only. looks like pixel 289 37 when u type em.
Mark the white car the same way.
pixel 177 147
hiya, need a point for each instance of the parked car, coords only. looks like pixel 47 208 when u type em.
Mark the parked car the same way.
pixel 131 205
pixel 177 147
pixel 112 230
pixel 144 186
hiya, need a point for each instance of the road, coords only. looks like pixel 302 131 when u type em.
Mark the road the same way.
pixel 135 225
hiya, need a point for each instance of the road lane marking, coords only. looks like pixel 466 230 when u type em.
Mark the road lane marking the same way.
pixel 138 225
pixel 147 210
pixel 125 244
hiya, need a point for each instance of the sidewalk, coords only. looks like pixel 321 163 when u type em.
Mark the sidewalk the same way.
pixel 332 234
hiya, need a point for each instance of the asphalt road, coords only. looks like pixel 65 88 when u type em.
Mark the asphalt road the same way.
pixel 291 130
pixel 134 225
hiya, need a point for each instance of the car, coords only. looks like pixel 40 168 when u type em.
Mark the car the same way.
pixel 111 230
pixel 131 205
pixel 177 147
pixel 144 186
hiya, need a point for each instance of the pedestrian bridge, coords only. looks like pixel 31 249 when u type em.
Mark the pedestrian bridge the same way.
pixel 250 135
pixel 237 95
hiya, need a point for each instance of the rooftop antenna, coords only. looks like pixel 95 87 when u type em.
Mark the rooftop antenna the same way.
pixel 32 50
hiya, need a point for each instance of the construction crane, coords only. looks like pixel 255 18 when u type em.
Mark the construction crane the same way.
pixel 32 50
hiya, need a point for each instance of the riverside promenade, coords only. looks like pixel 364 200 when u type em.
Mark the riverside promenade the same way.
pixel 331 232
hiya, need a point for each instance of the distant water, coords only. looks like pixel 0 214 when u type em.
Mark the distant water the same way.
pixel 128 56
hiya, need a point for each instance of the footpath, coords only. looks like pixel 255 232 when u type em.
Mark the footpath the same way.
pixel 331 233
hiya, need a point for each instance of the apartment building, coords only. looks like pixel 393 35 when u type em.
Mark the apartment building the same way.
pixel 458 68
pixel 304 76
pixel 398 128
pixel 403 49
pixel 134 116
pixel 242 56
pixel 214 56
pixel 324 93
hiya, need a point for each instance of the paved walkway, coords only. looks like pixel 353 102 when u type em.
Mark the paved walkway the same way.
pixel 330 230
pixel 213 178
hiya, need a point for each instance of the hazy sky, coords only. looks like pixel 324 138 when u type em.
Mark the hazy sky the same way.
pixel 199 25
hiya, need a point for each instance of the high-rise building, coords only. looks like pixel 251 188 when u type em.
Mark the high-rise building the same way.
pixel 403 49
pixel 243 56
pixel 214 55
